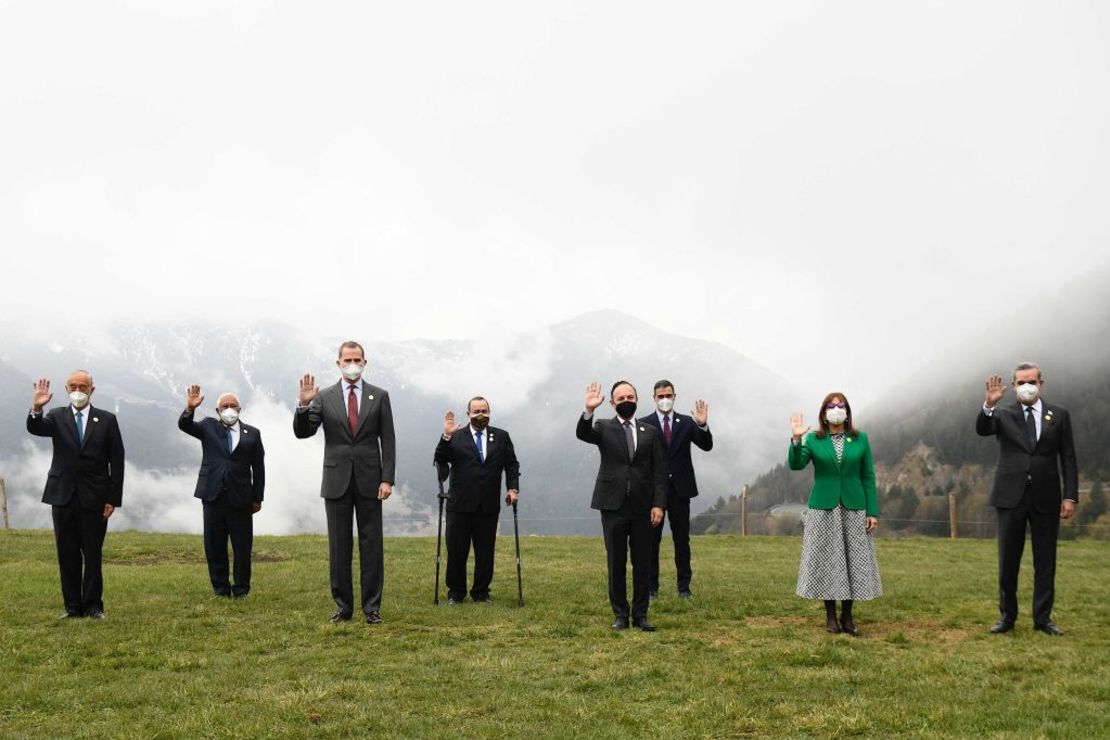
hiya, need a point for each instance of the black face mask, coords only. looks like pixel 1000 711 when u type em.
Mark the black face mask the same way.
pixel 479 421
pixel 626 409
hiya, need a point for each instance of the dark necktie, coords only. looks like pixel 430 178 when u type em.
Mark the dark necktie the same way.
pixel 478 442
pixel 667 430
pixel 352 411
pixel 230 442
pixel 630 440
pixel 1031 426
pixel 80 429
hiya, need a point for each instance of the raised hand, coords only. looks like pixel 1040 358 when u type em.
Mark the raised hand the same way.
pixel 700 413
pixel 307 390
pixel 193 399
pixel 594 396
pixel 797 426
pixel 449 425
pixel 996 388
pixel 42 394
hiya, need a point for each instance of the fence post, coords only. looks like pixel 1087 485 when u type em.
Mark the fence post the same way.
pixel 953 524
pixel 744 511
pixel 4 502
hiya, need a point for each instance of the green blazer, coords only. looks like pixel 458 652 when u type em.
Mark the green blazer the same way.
pixel 850 482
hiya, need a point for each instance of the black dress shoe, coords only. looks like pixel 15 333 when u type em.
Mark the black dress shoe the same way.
pixel 70 615
pixel 483 599
pixel 99 614
pixel 686 595
pixel 832 626
pixel 653 595
pixel 848 627
pixel 643 624
pixel 1001 626
pixel 340 617
pixel 1049 629
pixel 452 601
pixel 373 617
pixel 621 623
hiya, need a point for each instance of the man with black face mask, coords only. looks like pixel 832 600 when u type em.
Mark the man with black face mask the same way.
pixel 1034 446
pixel 231 483
pixel 630 492
pixel 478 455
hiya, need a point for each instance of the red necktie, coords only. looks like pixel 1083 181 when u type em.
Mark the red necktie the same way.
pixel 667 429
pixel 352 411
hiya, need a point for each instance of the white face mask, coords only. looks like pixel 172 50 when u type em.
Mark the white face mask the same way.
pixel 665 404
pixel 353 371
pixel 836 416
pixel 1028 392
pixel 229 416
pixel 78 399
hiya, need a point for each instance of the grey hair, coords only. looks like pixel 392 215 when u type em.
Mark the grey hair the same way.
pixel 233 394
pixel 1028 366
pixel 82 370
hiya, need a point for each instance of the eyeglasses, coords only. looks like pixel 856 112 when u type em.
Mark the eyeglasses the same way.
pixel 836 405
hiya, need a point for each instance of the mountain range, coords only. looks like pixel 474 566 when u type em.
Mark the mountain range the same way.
pixel 535 382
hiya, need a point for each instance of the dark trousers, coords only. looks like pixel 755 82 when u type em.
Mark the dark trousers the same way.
pixel 678 514
pixel 342 512
pixel 222 522
pixel 1044 528
pixel 79 536
pixel 625 530
pixel 463 529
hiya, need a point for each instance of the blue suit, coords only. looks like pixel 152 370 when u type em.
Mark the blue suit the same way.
pixel 229 483
pixel 681 487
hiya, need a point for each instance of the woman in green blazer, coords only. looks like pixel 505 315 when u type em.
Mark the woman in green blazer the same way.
pixel 838 552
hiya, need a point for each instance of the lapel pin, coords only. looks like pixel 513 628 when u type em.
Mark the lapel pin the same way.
pixel 96 418
pixel 244 431
pixel 641 429
pixel 370 397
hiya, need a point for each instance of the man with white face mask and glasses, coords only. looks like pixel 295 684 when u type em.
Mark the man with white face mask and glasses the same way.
pixel 359 463
pixel 231 484
pixel 1035 447
pixel 84 486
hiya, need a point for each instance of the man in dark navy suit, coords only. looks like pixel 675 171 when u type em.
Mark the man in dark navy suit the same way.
pixel 478 455
pixel 678 432
pixel 83 488
pixel 1035 447
pixel 231 483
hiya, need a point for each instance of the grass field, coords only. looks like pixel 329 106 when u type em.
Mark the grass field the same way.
pixel 745 658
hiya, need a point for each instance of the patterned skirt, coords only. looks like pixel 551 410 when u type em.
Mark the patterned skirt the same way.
pixel 838 557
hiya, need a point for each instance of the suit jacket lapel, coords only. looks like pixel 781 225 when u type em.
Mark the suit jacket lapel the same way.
pixel 340 405
pixel 619 426
pixel 364 406
pixel 1017 412
pixel 830 449
pixel 71 424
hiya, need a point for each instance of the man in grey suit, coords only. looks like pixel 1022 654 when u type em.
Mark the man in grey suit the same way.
pixel 359 462
pixel 1035 447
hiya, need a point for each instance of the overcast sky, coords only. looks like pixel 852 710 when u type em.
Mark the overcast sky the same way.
pixel 833 189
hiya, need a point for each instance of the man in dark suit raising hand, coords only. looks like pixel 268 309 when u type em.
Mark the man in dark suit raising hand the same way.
pixel 630 492
pixel 1034 446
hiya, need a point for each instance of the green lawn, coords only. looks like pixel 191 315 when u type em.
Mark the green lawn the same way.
pixel 745 658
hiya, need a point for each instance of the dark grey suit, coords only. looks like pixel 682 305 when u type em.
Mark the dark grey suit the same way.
pixel 627 488
pixel 1026 492
pixel 354 466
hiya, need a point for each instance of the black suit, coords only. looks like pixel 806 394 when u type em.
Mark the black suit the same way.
pixel 625 492
pixel 474 504
pixel 354 466
pixel 82 479
pixel 1027 489
pixel 681 487
pixel 229 483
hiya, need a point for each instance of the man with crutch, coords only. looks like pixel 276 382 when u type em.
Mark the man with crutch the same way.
pixel 478 455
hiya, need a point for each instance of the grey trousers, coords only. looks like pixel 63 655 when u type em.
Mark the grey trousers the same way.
pixel 342 512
